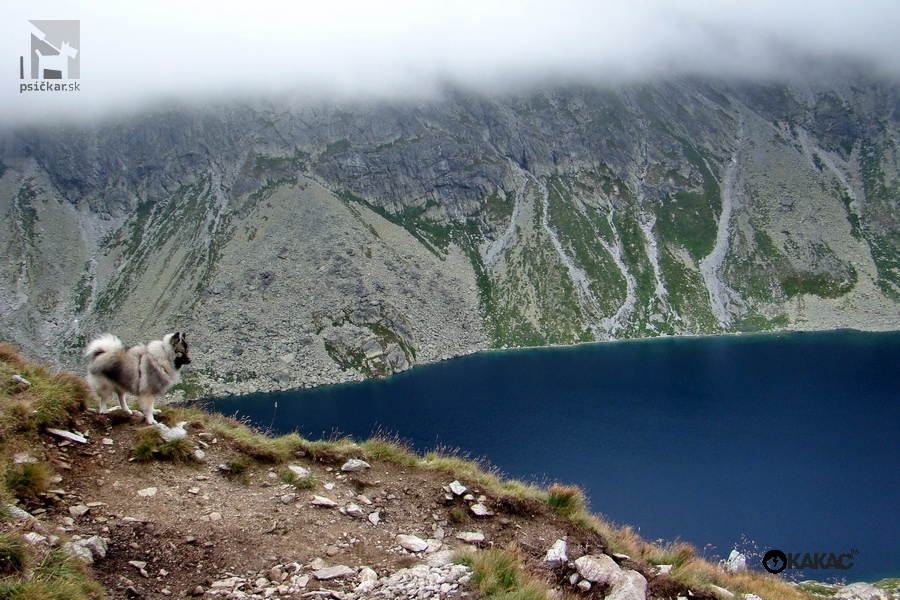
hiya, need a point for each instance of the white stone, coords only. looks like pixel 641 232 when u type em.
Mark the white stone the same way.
pixel 170 434
pixel 78 551
pixel 298 471
pixel 224 584
pixel 79 510
pixel 720 591
pixel 470 537
pixel 353 510
pixel 68 435
pixel 412 543
pixel 34 538
pixel 323 502
pixel 367 574
pixel 355 464
pixel 96 544
pixel 599 568
pixel 556 555
pixel 23 458
pixel 736 562
pixel 457 488
pixel 335 572
pixel 631 586
pixel 480 510
pixel 375 517
pixel 17 513
pixel 147 492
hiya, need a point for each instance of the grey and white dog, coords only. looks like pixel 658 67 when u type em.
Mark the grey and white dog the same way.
pixel 145 370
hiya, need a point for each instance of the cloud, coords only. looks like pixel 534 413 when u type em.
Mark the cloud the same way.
pixel 138 54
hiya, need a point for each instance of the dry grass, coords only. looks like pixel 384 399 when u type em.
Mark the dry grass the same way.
pixel 48 399
pixel 498 574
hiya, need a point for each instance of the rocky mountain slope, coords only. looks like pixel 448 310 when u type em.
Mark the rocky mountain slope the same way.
pixel 308 243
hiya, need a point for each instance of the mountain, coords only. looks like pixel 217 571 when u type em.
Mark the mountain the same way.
pixel 307 243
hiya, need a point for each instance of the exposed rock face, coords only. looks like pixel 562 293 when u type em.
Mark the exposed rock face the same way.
pixel 303 245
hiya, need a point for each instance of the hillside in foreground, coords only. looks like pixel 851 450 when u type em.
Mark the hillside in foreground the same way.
pixel 101 506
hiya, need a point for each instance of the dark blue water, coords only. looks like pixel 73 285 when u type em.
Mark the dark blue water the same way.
pixel 791 441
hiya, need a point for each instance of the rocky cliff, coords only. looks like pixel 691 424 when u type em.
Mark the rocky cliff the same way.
pixel 302 244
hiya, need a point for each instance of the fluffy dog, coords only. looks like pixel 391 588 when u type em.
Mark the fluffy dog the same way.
pixel 145 370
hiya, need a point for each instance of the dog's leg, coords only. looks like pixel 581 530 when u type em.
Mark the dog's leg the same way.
pixel 122 404
pixel 101 408
pixel 146 402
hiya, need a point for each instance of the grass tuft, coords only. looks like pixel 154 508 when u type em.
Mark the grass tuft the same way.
pixel 151 446
pixel 498 574
pixel 289 477
pixel 389 450
pixel 13 554
pixel 567 500
pixel 27 481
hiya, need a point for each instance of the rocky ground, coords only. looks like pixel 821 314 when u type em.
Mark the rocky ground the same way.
pixel 324 524
pixel 344 530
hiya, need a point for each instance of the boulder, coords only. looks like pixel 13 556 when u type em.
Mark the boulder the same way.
pixel 335 572
pixel 735 562
pixel 556 555
pixel 631 586
pixel 355 464
pixel 412 543
pixel 599 568
pixel 861 591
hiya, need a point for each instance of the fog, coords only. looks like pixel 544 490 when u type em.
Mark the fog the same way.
pixel 134 55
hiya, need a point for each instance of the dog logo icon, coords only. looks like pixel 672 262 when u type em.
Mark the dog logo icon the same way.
pixel 54 50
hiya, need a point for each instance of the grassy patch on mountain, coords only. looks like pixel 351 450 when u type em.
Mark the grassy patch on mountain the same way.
pixel 690 218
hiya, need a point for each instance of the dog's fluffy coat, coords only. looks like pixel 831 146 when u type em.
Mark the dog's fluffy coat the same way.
pixel 145 370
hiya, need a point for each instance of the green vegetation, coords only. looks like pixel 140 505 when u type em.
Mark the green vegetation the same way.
pixel 44 574
pixel 335 148
pixel 580 233
pixel 566 500
pixel 51 400
pixel 434 236
pixel 691 218
pixel 881 206
pixel 167 233
pixel 26 481
pixel 687 293
pixel 152 446
pixel 824 285
pixel 27 214
pixel 258 165
pixel 498 574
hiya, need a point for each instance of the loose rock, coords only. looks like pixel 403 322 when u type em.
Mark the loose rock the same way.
pixel 412 543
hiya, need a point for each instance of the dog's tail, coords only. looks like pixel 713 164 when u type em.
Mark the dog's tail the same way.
pixel 103 344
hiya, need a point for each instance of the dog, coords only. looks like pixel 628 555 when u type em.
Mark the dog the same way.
pixel 145 370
